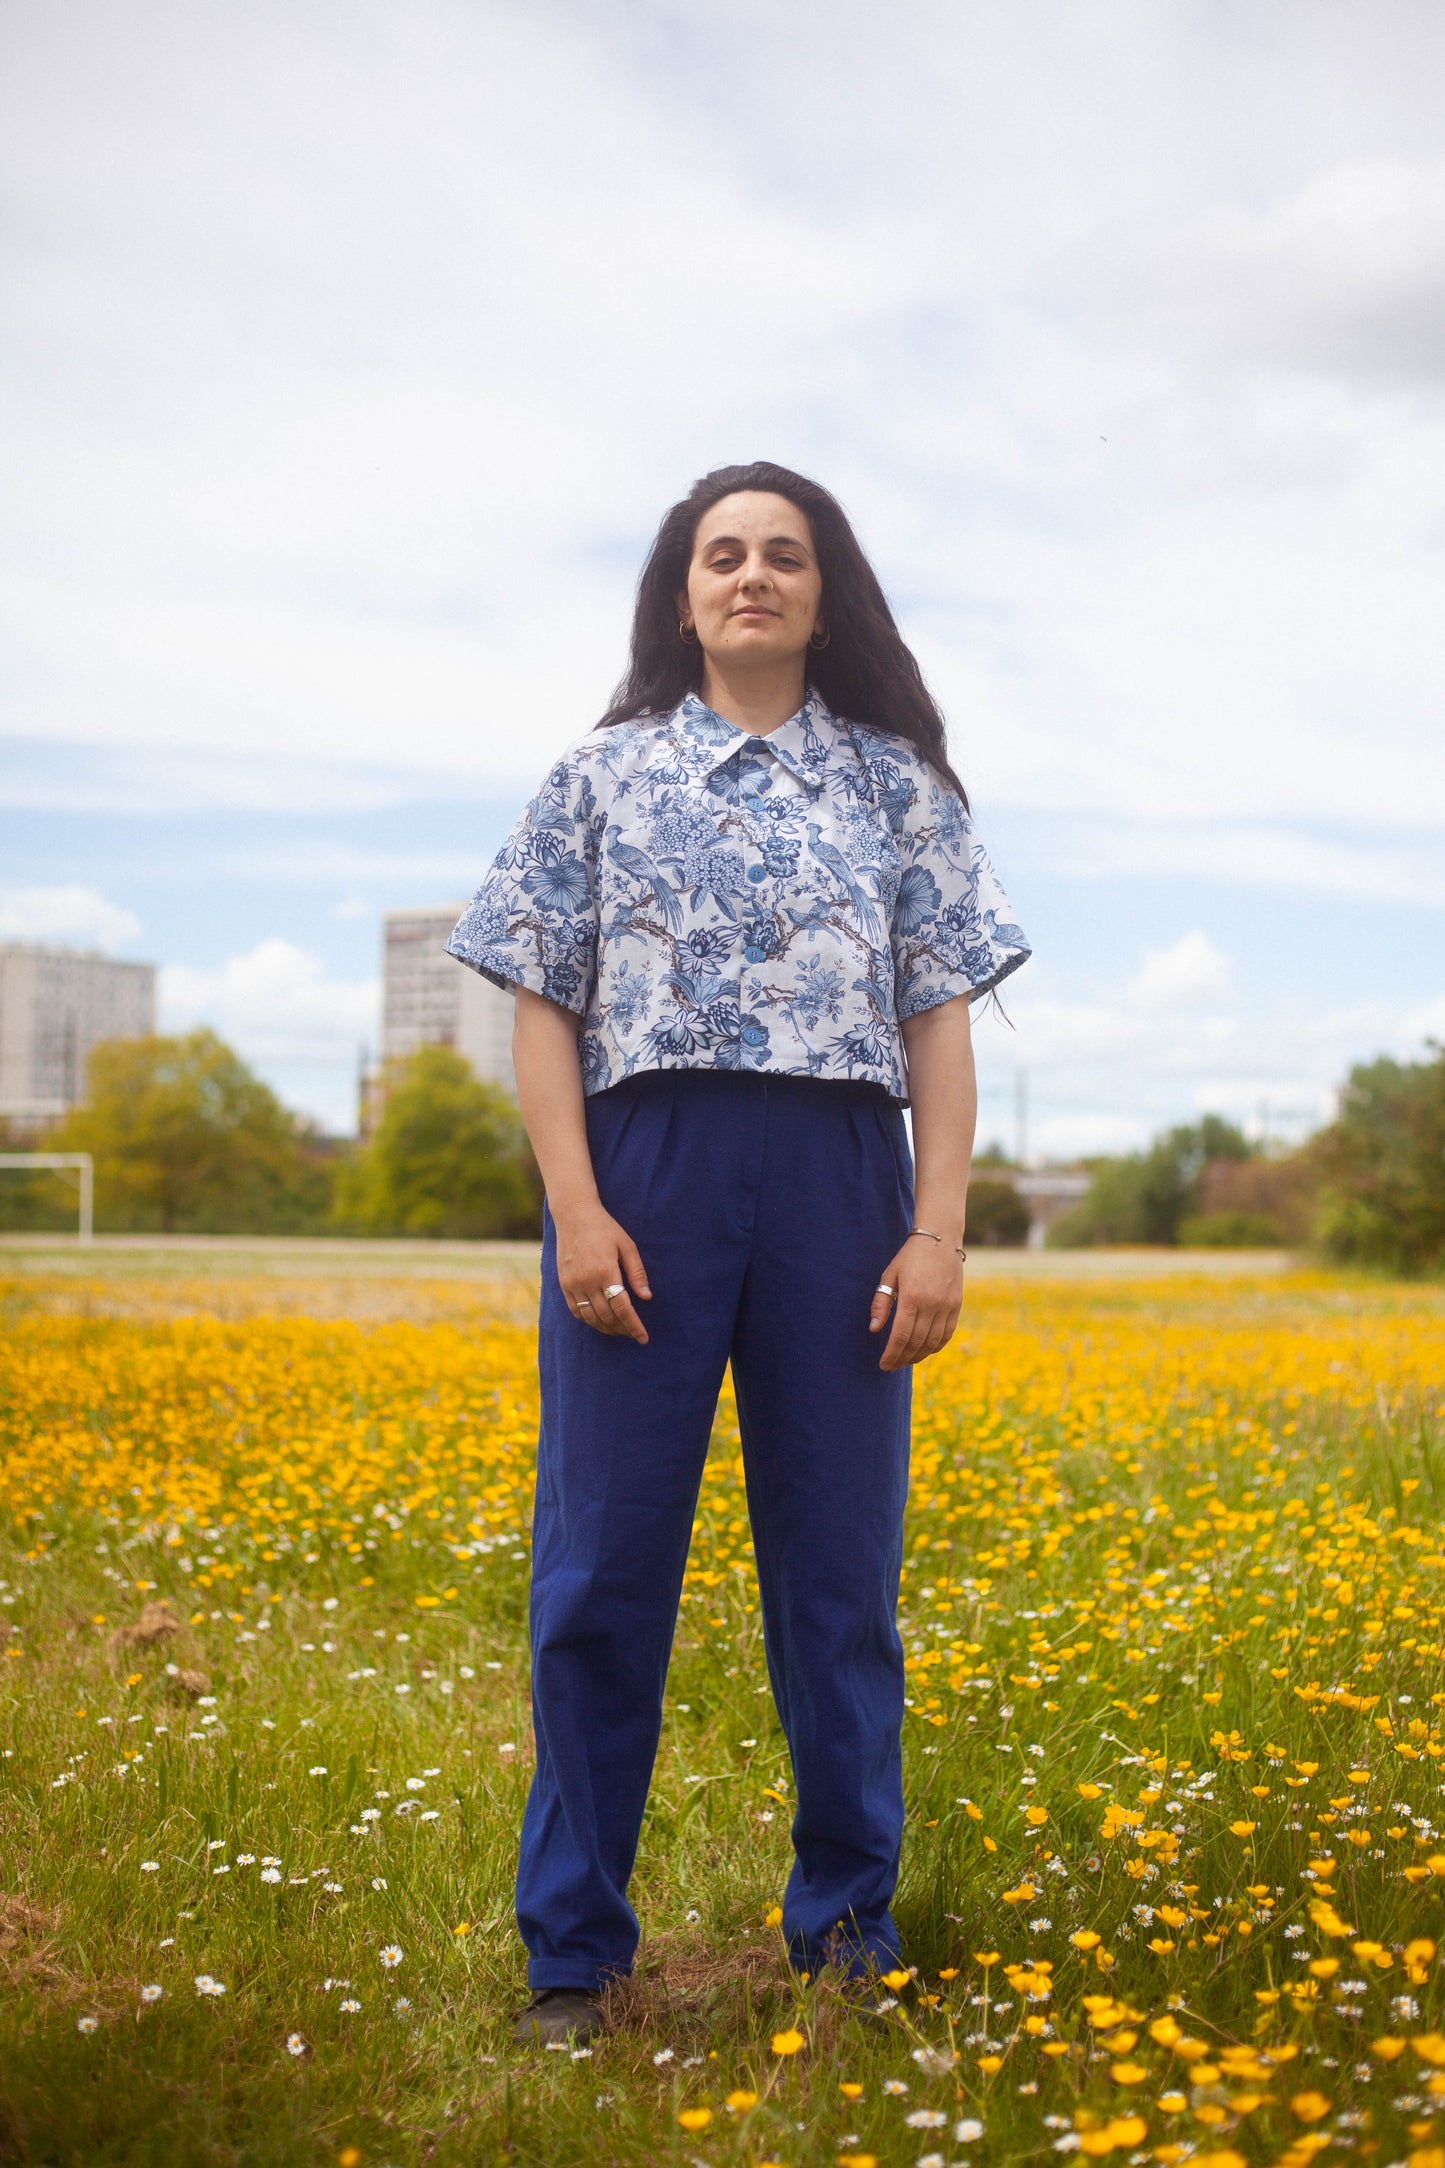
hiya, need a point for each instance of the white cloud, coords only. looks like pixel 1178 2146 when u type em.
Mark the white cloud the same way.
pixel 73 916
pixel 1426 1021
pixel 1265 855
pixel 1341 276
pixel 442 406
pixel 275 1005
pixel 1083 1136
pixel 1373 1026
pixel 360 367
pixel 1189 971
pixel 1155 1021
pixel 1175 1038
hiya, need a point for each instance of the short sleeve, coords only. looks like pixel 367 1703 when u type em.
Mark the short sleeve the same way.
pixel 533 921
pixel 953 931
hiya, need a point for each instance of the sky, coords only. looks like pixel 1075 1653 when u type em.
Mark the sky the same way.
pixel 351 353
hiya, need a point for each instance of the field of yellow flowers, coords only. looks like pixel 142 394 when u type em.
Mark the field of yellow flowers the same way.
pixel 1174 1878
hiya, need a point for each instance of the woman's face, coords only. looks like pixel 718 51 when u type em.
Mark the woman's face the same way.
pixel 753 588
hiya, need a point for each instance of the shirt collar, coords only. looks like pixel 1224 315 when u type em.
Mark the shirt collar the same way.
pixel 802 744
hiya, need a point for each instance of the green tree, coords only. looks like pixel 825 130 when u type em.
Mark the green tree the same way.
pixel 1382 1167
pixel 187 1140
pixel 1267 1202
pixel 448 1157
pixel 998 1218
pixel 1144 1196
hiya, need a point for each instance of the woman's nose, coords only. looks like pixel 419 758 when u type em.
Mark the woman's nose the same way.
pixel 756 574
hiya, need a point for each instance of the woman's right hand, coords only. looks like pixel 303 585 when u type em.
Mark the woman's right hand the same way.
pixel 593 1254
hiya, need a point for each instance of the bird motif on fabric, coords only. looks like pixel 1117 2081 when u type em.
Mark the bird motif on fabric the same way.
pixel 640 866
pixel 829 855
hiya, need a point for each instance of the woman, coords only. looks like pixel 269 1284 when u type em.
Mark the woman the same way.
pixel 744 919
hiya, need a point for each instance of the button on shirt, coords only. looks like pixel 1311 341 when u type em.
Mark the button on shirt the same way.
pixel 702 898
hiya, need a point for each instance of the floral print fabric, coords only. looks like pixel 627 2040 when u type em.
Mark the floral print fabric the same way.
pixel 702 898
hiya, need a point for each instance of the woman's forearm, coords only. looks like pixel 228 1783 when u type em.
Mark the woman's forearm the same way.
pixel 597 1260
pixel 943 1090
pixel 549 1093
pixel 921 1285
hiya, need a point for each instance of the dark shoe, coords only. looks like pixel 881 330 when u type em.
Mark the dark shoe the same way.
pixel 559 2015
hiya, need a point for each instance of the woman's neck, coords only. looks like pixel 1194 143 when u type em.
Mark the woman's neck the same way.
pixel 753 700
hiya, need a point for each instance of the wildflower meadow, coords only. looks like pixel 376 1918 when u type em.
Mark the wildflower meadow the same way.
pixel 1174 1874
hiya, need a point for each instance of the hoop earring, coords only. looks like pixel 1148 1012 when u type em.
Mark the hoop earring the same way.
pixel 687 632
pixel 813 639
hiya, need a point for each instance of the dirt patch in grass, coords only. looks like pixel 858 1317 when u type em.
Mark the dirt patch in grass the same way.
pixel 27 1950
pixel 157 1623
pixel 680 1982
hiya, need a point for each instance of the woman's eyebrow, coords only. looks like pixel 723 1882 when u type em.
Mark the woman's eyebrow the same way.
pixel 774 541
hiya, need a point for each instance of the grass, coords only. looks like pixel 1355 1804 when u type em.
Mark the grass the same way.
pixel 1172 1878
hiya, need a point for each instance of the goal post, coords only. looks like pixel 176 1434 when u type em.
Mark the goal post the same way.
pixel 75 1166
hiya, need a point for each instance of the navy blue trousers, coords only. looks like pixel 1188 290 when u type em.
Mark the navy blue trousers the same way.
pixel 765 1209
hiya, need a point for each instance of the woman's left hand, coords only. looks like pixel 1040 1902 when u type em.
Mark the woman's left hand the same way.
pixel 927 1282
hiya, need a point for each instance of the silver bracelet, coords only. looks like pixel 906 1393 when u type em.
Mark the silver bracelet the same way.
pixel 960 1251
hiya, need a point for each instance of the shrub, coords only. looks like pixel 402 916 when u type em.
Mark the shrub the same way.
pixel 998 1218
pixel 1144 1196
pixel 1230 1231
pixel 448 1157
pixel 1382 1166
pixel 1279 1190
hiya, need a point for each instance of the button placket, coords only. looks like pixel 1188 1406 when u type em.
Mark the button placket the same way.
pixel 755 758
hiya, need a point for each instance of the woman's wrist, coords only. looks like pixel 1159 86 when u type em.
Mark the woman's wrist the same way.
pixel 575 1202
pixel 945 1219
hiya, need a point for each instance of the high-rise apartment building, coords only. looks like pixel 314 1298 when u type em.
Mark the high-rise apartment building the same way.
pixel 430 999
pixel 55 1005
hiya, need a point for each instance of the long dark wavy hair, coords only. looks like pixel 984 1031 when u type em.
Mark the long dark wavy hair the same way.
pixel 865 673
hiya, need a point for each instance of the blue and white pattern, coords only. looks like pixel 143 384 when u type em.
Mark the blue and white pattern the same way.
pixel 706 899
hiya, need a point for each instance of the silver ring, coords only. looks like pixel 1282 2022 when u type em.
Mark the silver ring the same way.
pixel 883 1288
pixel 611 1292
pixel 584 1302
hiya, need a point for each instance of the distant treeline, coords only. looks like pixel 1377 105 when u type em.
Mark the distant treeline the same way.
pixel 186 1140
pixel 1369 1189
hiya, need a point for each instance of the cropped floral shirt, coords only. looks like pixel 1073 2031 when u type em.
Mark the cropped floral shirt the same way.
pixel 702 898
